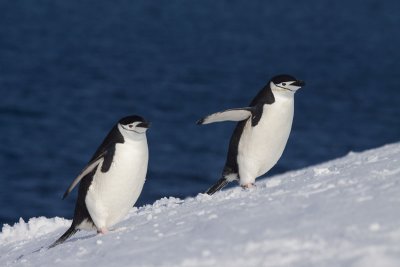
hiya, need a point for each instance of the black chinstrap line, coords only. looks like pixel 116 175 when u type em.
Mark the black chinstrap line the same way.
pixel 284 88
pixel 131 130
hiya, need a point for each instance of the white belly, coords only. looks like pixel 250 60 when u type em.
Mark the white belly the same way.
pixel 112 194
pixel 260 147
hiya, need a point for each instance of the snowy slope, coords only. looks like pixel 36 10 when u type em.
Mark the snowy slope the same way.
pixel 342 213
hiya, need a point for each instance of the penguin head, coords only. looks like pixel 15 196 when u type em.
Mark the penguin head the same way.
pixel 285 84
pixel 133 126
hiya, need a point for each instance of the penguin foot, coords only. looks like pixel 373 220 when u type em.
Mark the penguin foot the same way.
pixel 102 231
pixel 248 186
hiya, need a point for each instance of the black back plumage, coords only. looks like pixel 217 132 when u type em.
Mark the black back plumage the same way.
pixel 107 148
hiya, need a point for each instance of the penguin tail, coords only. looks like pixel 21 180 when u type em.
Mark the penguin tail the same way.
pixel 217 186
pixel 71 231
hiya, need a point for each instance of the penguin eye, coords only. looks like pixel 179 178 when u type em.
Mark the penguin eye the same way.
pixel 130 126
pixel 284 84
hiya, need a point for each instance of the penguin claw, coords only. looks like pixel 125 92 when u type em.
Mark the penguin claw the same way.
pixel 102 231
pixel 249 186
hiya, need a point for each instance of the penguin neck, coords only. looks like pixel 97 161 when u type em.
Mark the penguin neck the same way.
pixel 135 138
pixel 283 96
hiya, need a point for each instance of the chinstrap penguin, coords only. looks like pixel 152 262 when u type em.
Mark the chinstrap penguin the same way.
pixel 113 179
pixel 261 134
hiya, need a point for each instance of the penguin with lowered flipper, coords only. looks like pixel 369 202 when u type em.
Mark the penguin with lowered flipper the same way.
pixel 261 135
pixel 113 179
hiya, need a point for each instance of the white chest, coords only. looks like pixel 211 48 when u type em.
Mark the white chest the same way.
pixel 260 147
pixel 113 193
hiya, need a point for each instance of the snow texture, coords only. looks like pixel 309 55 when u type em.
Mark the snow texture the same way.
pixel 345 212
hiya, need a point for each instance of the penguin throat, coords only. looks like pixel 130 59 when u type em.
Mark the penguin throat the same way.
pixel 134 131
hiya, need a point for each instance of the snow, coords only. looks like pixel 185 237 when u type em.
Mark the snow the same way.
pixel 345 212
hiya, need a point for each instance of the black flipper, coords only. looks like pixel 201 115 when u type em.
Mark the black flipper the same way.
pixel 217 186
pixel 71 231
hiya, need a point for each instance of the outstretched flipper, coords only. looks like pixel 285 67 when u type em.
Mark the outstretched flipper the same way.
pixel 89 168
pixel 217 186
pixel 71 231
pixel 237 114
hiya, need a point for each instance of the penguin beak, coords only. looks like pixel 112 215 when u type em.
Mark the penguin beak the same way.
pixel 299 83
pixel 144 125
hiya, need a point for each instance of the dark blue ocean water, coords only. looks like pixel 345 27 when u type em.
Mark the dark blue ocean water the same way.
pixel 70 69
